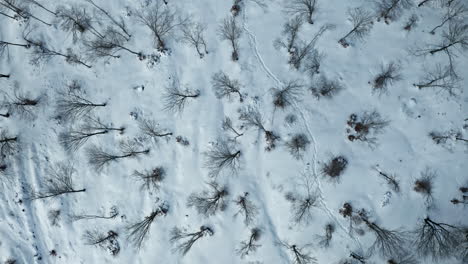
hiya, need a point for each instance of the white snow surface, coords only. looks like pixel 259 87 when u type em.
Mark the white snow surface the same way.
pixel 404 148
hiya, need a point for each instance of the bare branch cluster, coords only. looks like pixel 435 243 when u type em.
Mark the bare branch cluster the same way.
pixel 100 158
pixel 193 34
pixel 229 30
pixel 222 157
pixel 21 104
pixel 107 241
pixel 190 238
pixel 305 9
pixel 77 20
pixel 325 88
pixel 251 117
pixel 365 126
pixel 388 74
pixel 436 239
pixel 246 208
pixel 362 21
pixel 288 94
pixel 299 255
pixel 175 97
pixel 75 138
pixel 150 129
pixel 59 182
pixel 251 244
pixel 229 127
pixel 140 230
pixel 72 103
pixel 210 201
pixel 390 10
pixel 440 78
pixel 151 179
pixel 297 145
pixel 162 21
pixel 334 167
pixel 224 86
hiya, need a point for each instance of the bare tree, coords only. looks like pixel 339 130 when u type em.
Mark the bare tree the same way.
pixel 190 238
pixel 312 63
pixel 108 45
pixel 291 31
pixel 21 10
pixel 72 103
pixel 324 241
pixel 224 86
pixel 305 9
pixel 297 145
pixel 175 97
pixel 120 23
pixel 390 179
pixel 366 126
pixel 446 137
pixel 334 167
pixel 436 239
pixel 388 242
pixel 325 88
pixel 455 37
pixel 303 204
pixel 230 31
pixel 138 231
pixel 236 7
pixel 74 139
pixel 251 117
pixel 210 201
pixel 454 11
pixel 151 130
pixel 21 104
pixel 100 158
pixel 388 74
pixel 76 20
pixel 246 208
pixel 107 241
pixel 8 145
pixel 4 46
pixel 299 255
pixel 228 126
pixel 288 94
pixel 306 50
pixel 362 21
pixel 440 78
pixel 151 179
pixel 222 156
pixel 391 10
pixel 114 212
pixel 250 245
pixel 58 182
pixel 4 75
pixel 193 34
pixel 54 217
pixel 424 184
pixel 162 21
pixel 42 53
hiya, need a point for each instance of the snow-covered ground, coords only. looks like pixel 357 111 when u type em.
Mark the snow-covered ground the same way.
pixel 133 90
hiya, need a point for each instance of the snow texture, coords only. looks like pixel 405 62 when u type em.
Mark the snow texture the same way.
pixel 133 88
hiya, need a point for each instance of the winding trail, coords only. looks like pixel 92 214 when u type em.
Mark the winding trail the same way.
pixel 322 200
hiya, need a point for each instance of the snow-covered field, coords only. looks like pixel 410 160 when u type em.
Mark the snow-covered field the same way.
pixel 291 194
